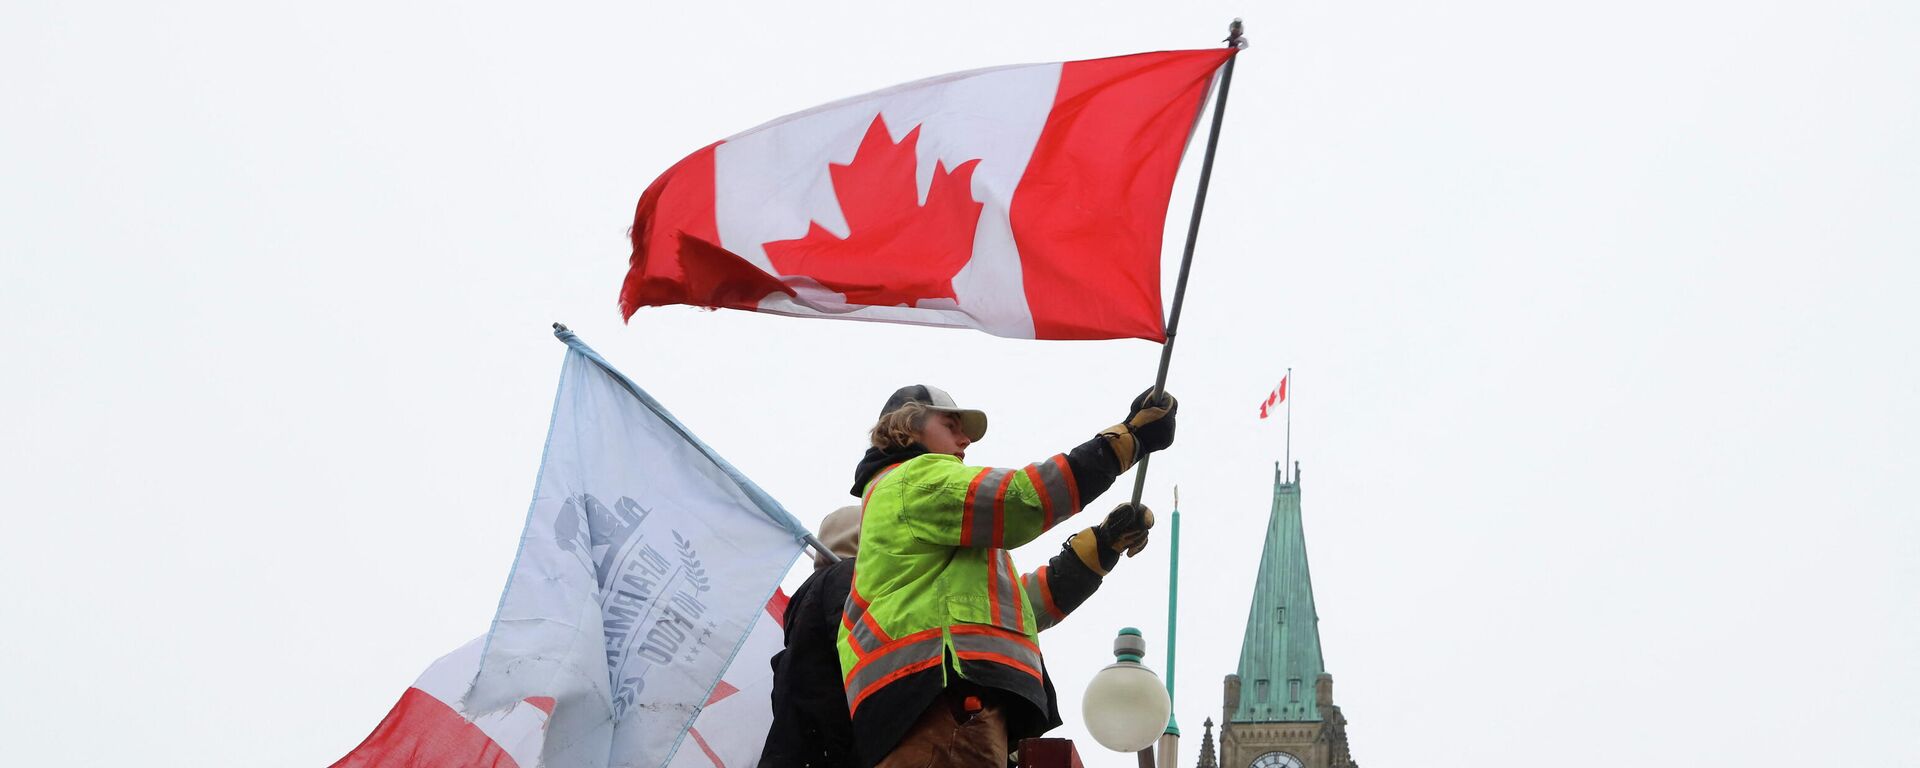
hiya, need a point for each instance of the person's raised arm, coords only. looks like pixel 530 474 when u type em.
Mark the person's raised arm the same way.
pixel 1060 586
pixel 953 504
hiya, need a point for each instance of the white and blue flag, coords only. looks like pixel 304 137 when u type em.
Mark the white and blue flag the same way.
pixel 645 560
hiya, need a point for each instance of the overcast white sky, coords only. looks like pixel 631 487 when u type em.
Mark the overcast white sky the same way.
pixel 1601 317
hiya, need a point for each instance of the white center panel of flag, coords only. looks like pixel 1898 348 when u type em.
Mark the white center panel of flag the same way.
pixel 774 185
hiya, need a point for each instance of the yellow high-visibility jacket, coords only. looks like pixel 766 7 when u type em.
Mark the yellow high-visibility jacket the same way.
pixel 935 581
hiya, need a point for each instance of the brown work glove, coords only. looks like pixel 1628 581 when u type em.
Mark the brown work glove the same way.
pixel 1148 428
pixel 1125 530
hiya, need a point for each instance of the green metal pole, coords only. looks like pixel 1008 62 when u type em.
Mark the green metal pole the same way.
pixel 1173 609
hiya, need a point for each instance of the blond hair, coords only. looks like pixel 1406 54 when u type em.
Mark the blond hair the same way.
pixel 900 427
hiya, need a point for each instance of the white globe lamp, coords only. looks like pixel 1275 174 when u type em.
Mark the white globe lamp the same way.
pixel 1126 707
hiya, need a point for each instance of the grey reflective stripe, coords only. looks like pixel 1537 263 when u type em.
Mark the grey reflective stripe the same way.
pixel 1058 487
pixel 983 496
pixel 1006 596
pixel 864 641
pixel 863 634
pixel 867 641
pixel 969 642
pixel 877 667
pixel 1037 597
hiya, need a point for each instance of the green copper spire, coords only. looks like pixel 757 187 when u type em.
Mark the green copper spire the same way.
pixel 1280 655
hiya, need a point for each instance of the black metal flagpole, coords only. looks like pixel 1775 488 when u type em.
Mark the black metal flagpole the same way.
pixel 1234 40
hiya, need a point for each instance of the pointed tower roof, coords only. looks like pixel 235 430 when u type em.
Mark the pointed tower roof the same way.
pixel 1280 654
pixel 1206 748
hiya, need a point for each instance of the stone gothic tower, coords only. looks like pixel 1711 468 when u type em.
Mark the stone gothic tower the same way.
pixel 1278 710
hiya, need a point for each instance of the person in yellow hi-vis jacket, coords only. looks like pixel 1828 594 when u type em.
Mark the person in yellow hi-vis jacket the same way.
pixel 938 640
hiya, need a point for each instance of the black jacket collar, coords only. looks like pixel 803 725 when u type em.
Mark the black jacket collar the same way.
pixel 877 460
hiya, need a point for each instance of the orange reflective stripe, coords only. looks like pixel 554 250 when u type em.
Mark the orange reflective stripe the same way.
pixel 863 635
pixel 1039 589
pixel 854 699
pixel 993 586
pixel 1073 485
pixel 966 511
pixel 985 499
pixel 862 631
pixel 1006 600
pixel 853 630
pixel 984 643
pixel 898 659
pixel 1046 498
pixel 873 627
pixel 894 648
pixel 987 630
pixel 1000 510
pixel 1059 497
pixel 872 484
pixel 999 659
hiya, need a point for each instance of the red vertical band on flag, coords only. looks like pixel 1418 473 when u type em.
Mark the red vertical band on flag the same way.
pixel 1089 228
pixel 677 258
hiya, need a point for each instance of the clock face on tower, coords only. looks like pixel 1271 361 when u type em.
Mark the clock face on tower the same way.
pixel 1276 760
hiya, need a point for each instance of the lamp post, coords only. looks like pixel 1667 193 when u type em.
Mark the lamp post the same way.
pixel 1126 706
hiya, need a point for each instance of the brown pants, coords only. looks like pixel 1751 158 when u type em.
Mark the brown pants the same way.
pixel 953 734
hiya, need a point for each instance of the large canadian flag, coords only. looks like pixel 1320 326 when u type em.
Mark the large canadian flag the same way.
pixel 1026 201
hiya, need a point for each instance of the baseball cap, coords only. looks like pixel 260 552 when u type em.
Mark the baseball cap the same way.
pixel 972 422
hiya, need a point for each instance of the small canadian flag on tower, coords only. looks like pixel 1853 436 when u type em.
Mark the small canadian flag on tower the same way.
pixel 1276 397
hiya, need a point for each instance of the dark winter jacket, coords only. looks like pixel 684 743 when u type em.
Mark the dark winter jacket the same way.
pixel 811 728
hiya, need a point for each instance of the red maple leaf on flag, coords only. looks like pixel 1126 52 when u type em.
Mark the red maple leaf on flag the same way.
pixel 897 249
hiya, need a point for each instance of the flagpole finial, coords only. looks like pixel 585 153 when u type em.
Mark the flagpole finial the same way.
pixel 561 327
pixel 1235 31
